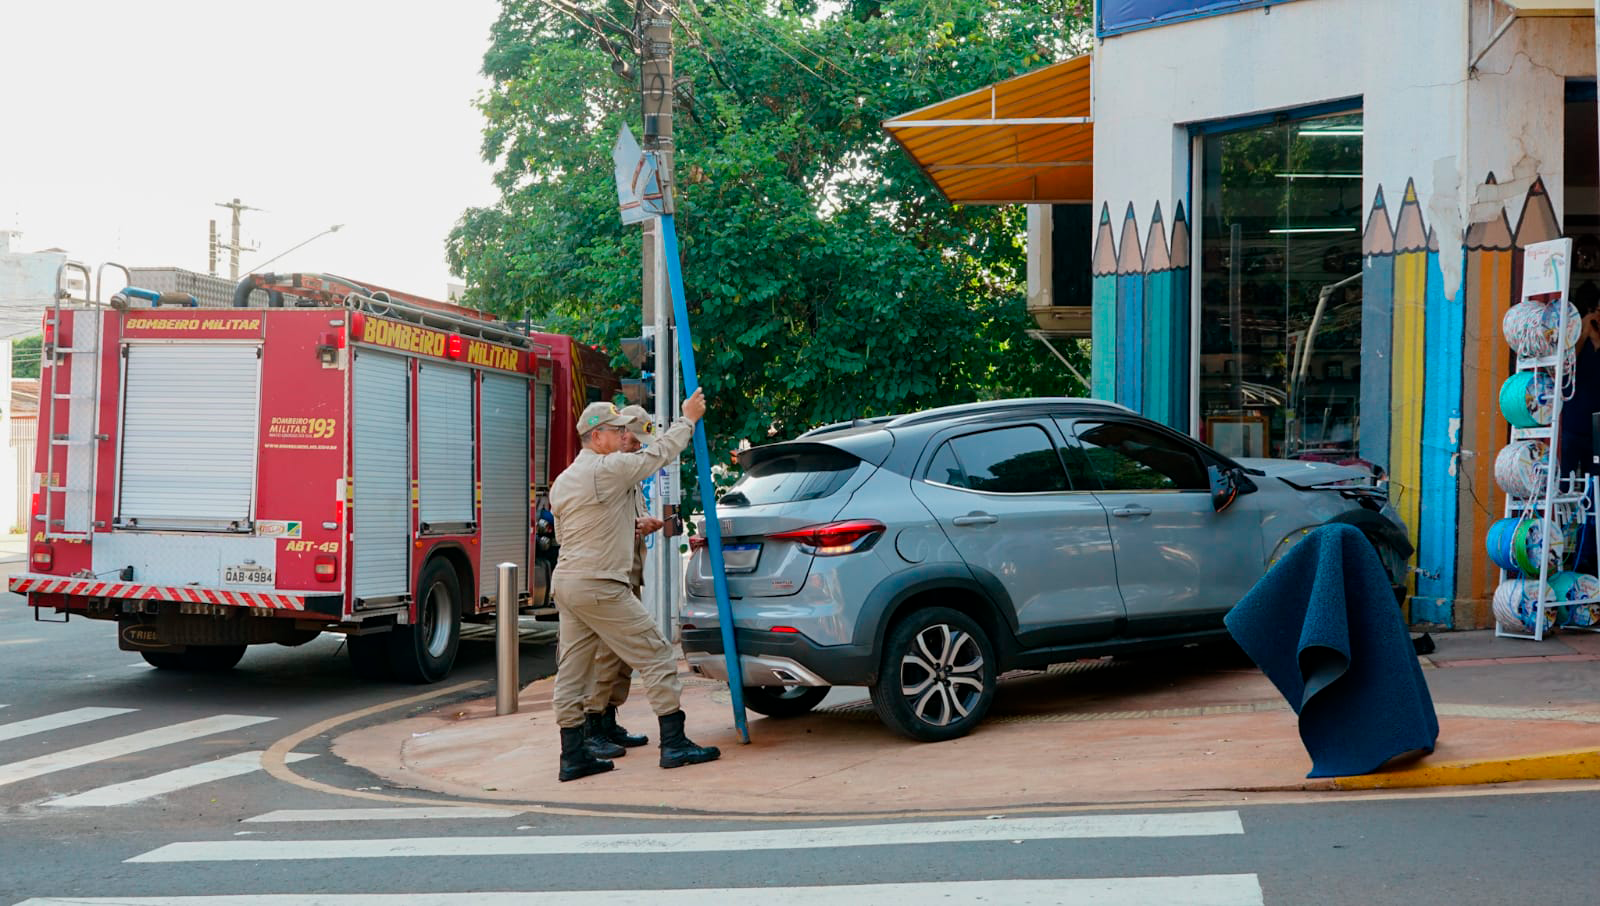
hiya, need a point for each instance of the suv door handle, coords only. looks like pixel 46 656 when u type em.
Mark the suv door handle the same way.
pixel 1129 511
pixel 976 519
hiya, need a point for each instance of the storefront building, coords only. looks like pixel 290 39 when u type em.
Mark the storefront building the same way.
pixel 1301 222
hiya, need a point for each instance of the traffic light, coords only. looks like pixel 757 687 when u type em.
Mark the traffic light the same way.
pixel 641 354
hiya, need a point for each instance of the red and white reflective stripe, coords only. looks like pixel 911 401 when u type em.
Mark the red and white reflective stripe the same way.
pixel 182 594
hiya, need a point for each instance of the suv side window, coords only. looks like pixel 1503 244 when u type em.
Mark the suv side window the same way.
pixel 1128 457
pixel 1018 460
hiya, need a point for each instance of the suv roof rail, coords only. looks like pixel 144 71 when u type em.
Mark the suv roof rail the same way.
pixel 844 426
pixel 989 406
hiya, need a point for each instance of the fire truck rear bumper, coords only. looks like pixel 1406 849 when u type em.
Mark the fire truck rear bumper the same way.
pixel 28 583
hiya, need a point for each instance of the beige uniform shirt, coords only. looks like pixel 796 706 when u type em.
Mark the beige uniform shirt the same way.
pixel 594 502
pixel 640 510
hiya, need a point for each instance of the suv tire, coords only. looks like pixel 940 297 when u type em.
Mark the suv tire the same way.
pixel 937 677
pixel 784 701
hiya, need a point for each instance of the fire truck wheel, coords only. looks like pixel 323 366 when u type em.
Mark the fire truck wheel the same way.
pixel 369 656
pixel 425 651
pixel 197 658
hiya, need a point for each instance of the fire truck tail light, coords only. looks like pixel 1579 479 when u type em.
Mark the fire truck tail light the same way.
pixel 326 568
pixel 44 557
pixel 455 346
pixel 358 324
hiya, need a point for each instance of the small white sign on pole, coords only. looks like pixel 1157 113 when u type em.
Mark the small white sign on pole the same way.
pixel 1546 267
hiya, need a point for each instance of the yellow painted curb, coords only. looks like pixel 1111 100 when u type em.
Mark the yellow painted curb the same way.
pixel 1578 764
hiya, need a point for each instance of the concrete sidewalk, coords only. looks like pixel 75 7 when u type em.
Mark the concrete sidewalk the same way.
pixel 1198 725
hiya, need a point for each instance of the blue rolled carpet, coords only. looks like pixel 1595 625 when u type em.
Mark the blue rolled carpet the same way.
pixel 1323 626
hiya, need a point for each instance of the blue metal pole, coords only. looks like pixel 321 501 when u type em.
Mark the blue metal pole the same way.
pixel 702 463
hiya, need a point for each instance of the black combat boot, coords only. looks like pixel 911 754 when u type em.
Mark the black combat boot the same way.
pixel 595 739
pixel 617 733
pixel 575 758
pixel 676 749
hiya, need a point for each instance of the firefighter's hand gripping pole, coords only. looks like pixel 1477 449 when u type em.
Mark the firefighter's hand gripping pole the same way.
pixel 702 464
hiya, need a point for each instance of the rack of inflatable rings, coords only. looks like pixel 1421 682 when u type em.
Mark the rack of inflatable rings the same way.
pixel 1537 541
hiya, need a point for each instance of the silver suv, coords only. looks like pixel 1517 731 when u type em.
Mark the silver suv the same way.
pixel 923 555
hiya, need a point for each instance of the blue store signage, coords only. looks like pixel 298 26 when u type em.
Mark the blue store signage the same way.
pixel 1127 15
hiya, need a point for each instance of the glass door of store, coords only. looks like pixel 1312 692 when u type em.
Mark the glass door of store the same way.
pixel 1280 288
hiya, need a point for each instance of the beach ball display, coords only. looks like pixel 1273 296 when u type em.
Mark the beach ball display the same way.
pixel 1550 326
pixel 1518 545
pixel 1571 586
pixel 1521 327
pixel 1527 399
pixel 1520 467
pixel 1515 602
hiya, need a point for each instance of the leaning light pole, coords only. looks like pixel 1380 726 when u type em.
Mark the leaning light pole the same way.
pixel 640 195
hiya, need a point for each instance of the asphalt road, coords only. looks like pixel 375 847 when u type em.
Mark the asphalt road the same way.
pixel 91 813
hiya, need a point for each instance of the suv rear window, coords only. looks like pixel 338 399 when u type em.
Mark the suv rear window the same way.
pixel 787 477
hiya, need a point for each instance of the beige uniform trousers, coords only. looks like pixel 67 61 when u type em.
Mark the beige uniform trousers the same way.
pixel 598 613
pixel 612 679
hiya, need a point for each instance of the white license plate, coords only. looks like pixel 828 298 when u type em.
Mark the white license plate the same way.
pixel 740 558
pixel 247 574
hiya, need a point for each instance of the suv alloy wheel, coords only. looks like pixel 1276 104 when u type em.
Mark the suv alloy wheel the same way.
pixel 938 675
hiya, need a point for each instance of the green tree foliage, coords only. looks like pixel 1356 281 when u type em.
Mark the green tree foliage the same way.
pixel 25 356
pixel 826 277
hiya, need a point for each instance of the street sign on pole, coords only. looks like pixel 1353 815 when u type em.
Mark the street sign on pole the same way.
pixel 638 179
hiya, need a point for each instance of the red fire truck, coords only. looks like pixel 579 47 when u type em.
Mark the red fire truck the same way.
pixel 326 455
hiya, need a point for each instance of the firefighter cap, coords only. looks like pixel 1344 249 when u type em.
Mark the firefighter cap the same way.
pixel 642 426
pixel 597 414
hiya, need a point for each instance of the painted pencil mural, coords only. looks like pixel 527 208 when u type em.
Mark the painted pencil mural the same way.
pixel 1158 322
pixel 1441 440
pixel 1130 314
pixel 1486 283
pixel 1181 360
pixel 1141 315
pixel 1103 327
pixel 1406 363
pixel 1377 309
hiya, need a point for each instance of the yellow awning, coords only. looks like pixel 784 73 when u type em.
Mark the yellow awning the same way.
pixel 1551 7
pixel 1026 139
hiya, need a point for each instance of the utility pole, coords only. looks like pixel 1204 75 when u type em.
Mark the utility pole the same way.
pixel 212 255
pixel 653 25
pixel 234 247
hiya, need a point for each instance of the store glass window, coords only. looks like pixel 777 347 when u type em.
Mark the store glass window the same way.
pixel 1280 288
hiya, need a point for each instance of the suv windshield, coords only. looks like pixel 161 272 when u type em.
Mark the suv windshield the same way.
pixel 788 477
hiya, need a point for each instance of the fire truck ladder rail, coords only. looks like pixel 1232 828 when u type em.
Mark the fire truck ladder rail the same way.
pixel 73 451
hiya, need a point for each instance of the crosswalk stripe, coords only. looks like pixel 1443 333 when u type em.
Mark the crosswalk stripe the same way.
pixel 1192 890
pixel 419 813
pixel 1176 824
pixel 124 745
pixel 57 721
pixel 169 782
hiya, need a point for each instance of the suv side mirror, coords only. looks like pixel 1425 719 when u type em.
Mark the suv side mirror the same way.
pixel 1224 487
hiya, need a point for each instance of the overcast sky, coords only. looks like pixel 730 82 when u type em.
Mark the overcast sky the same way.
pixel 125 121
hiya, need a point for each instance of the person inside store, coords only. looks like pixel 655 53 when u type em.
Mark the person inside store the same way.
pixel 1576 445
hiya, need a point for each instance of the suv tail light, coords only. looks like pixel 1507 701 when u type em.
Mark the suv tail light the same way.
pixel 835 537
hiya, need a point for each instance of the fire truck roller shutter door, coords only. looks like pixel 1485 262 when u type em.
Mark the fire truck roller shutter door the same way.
pixel 444 443
pixel 189 436
pixel 541 432
pixel 381 514
pixel 504 404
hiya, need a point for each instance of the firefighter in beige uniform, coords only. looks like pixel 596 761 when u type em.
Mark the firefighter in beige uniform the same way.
pixel 593 503
pixel 612 678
